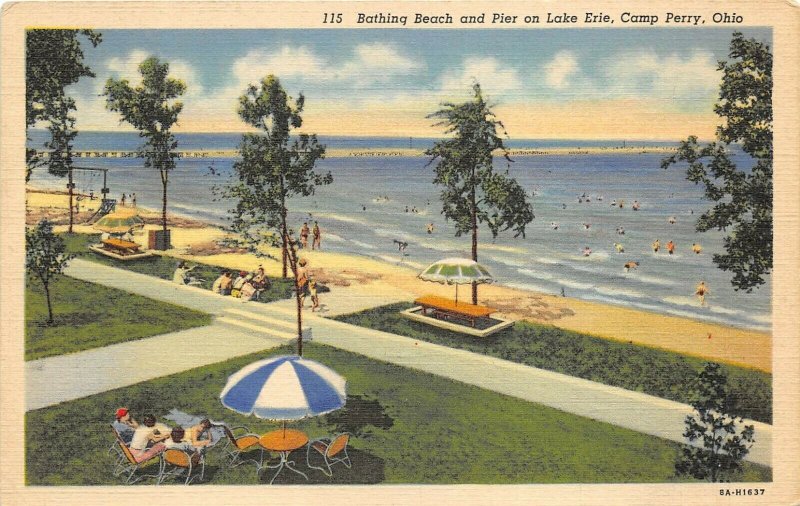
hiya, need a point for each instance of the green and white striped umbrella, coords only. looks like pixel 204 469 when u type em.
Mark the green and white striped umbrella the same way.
pixel 456 271
pixel 119 222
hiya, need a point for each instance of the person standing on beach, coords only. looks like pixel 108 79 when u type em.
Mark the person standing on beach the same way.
pixel 304 235
pixel 133 200
pixel 701 291
pixel 317 237
pixel 656 246
pixel 122 200
pixel 302 280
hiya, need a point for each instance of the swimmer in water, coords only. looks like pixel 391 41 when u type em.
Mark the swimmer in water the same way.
pixel 619 247
pixel 701 291
pixel 631 265
pixel 430 228
pixel 670 247
pixel 656 246
pixel 554 225
pixel 672 220
pixel 696 248
pixel 587 251
pixel 587 226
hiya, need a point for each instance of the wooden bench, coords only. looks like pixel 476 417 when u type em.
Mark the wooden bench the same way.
pixel 441 307
pixel 120 246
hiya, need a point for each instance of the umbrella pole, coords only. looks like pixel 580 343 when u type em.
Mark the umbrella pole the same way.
pixel 456 294
pixel 284 429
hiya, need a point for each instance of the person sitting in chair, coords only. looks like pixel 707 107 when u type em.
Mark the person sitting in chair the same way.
pixel 149 432
pixel 124 424
pixel 181 275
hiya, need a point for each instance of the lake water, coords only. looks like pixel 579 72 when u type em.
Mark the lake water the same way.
pixel 545 260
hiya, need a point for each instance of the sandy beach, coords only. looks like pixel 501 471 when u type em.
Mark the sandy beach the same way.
pixel 197 241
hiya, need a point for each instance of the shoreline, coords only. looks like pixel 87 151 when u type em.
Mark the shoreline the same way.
pixel 195 240
pixel 400 152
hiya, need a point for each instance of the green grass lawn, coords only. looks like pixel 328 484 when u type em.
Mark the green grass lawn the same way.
pixel 163 266
pixel 408 427
pixel 87 315
pixel 656 372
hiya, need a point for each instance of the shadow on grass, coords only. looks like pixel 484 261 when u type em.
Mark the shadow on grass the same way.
pixel 367 469
pixel 357 414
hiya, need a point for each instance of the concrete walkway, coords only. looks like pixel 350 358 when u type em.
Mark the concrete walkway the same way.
pixel 623 408
pixel 51 380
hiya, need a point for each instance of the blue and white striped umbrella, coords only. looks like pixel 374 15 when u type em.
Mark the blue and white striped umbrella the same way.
pixel 287 387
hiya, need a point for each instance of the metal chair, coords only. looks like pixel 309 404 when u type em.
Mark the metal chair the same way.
pixel 131 464
pixel 333 451
pixel 181 460
pixel 238 445
pixel 116 449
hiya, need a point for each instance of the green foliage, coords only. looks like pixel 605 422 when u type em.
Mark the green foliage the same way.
pixel 655 372
pixel 442 432
pixel 151 108
pixel 743 198
pixel 723 446
pixel 272 169
pixel 91 316
pixel 45 258
pixel 472 192
pixel 53 61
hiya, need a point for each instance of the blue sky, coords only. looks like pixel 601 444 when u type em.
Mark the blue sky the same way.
pixel 558 83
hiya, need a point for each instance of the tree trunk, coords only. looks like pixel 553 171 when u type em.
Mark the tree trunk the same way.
pixel 49 305
pixel 299 318
pixel 297 298
pixel 474 238
pixel 285 233
pixel 164 181
pixel 69 187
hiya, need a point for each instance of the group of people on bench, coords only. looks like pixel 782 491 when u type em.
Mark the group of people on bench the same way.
pixel 150 438
pixel 246 286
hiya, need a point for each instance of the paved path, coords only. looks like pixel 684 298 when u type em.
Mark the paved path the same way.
pixel 51 380
pixel 624 408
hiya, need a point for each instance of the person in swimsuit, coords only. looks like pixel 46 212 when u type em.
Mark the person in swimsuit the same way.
pixel 701 291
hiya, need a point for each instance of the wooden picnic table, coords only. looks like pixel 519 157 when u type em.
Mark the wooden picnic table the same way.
pixel 120 246
pixel 442 307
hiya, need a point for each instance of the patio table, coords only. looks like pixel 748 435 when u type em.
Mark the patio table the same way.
pixel 283 441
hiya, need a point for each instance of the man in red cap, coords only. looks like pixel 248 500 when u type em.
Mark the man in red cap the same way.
pixel 124 424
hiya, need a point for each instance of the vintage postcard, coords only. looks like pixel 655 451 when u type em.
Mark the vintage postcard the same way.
pixel 400 252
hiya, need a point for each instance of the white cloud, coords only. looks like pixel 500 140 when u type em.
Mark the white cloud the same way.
pixel 560 70
pixel 287 62
pixel 376 62
pixel 495 78
pixel 671 77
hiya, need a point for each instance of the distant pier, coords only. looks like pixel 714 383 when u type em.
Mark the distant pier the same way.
pixel 391 152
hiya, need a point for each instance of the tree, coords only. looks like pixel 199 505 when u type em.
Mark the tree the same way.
pixel 273 169
pixel 743 196
pixel 472 192
pixel 53 61
pixel 723 447
pixel 151 109
pixel 45 258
